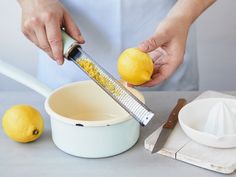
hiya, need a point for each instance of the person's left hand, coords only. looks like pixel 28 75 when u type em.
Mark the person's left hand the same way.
pixel 166 47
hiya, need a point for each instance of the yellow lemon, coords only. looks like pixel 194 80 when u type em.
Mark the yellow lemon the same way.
pixel 22 123
pixel 135 66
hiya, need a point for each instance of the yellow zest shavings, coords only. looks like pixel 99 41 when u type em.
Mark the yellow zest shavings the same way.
pixel 93 72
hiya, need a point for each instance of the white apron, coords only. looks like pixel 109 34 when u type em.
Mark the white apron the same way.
pixel 109 27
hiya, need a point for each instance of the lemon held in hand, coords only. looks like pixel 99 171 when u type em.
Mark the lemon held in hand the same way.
pixel 22 123
pixel 135 66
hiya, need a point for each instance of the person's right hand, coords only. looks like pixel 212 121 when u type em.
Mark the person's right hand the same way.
pixel 42 21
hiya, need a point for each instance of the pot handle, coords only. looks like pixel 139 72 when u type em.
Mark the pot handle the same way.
pixel 24 78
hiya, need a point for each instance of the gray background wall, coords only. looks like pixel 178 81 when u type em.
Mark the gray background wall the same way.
pixel 216 39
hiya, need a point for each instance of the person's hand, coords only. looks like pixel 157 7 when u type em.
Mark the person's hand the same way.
pixel 166 47
pixel 42 21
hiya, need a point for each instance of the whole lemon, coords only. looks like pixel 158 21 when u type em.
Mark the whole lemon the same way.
pixel 135 66
pixel 22 123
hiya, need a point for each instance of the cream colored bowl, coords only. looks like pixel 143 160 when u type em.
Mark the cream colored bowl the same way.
pixel 86 122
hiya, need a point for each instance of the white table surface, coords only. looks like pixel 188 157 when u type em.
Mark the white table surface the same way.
pixel 43 159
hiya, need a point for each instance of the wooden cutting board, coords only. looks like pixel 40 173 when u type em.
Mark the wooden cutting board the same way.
pixel 180 147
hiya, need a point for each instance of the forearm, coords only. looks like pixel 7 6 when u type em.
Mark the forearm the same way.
pixel 35 2
pixel 189 10
pixel 21 2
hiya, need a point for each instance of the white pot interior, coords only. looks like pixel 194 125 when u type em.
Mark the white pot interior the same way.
pixel 84 103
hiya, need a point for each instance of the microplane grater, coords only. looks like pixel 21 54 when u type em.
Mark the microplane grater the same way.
pixel 125 98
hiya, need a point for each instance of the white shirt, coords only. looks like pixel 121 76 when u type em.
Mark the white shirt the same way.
pixel 109 27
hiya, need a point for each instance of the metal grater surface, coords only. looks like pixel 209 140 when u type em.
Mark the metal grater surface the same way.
pixel 114 88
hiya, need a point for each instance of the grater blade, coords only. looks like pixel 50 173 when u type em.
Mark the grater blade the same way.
pixel 111 86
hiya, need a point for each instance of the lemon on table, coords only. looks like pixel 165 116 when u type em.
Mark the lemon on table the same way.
pixel 22 123
pixel 135 66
